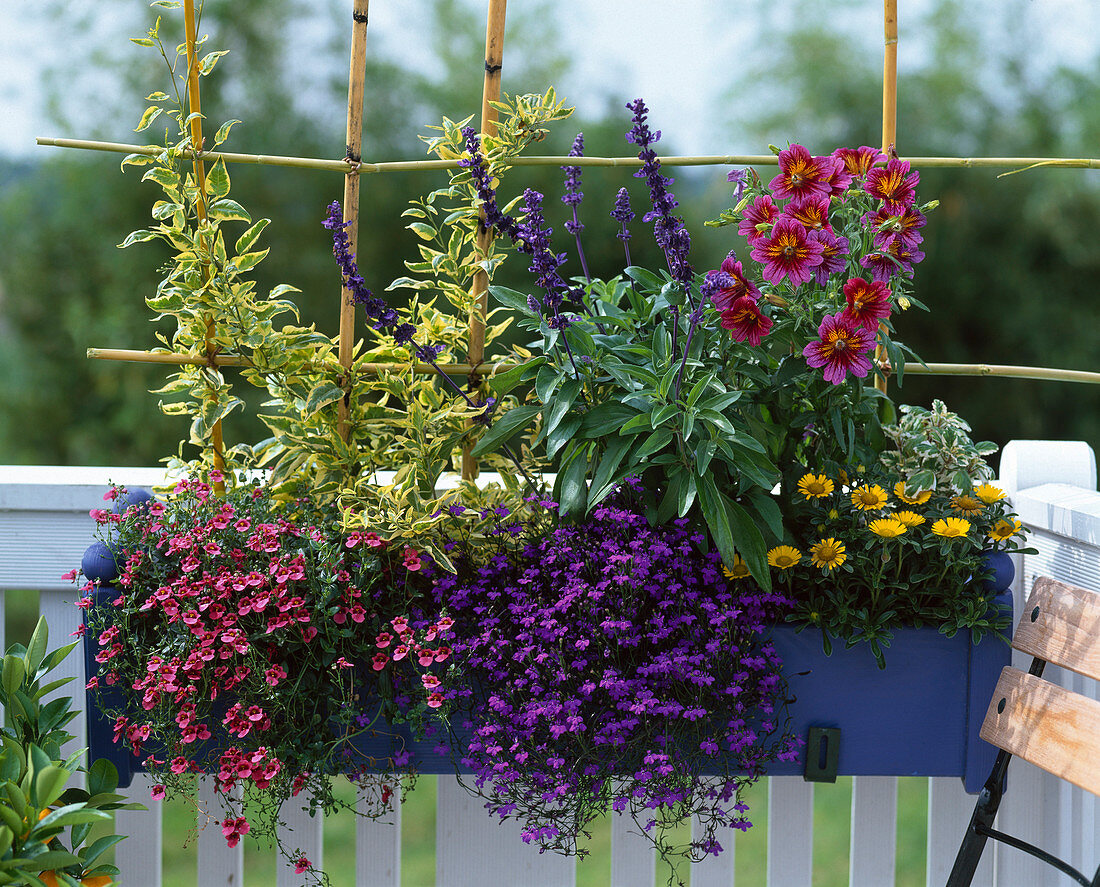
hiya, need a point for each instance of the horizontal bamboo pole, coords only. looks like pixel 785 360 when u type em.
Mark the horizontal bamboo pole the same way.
pixel 981 369
pixel 343 166
pixel 464 369
pixel 235 360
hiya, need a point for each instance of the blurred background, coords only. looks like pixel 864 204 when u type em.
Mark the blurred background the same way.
pixel 1012 263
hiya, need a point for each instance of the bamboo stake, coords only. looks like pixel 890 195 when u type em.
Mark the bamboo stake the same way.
pixel 1018 372
pixel 494 60
pixel 1018 164
pixel 464 369
pixel 889 115
pixel 194 107
pixel 354 143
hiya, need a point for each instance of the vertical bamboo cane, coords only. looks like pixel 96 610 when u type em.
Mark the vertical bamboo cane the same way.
pixel 494 59
pixel 356 76
pixel 194 107
pixel 889 110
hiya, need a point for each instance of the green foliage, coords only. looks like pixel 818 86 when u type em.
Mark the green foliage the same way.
pixel 932 449
pixel 44 826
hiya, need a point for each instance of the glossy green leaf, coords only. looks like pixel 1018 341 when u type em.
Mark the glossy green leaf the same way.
pixel 504 427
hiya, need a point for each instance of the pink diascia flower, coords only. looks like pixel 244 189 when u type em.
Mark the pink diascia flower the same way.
pixel 868 303
pixel 301 864
pixel 757 219
pixel 894 185
pixel 789 252
pixel 841 348
pixel 801 174
pixel 745 321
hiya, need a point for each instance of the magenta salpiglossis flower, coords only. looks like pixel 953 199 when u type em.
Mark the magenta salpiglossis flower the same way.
pixel 841 348
pixel 868 303
pixel 745 321
pixel 801 174
pixel 813 212
pixel 858 161
pixel 891 261
pixel 757 219
pixel 728 284
pixel 905 226
pixel 894 185
pixel 835 249
pixel 789 252
pixel 841 179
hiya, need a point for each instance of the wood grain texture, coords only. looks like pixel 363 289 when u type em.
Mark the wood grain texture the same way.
pixel 1047 725
pixel 1061 624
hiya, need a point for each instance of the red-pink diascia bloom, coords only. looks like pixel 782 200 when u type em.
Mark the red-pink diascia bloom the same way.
pixel 745 321
pixel 731 284
pixel 801 174
pixel 894 185
pixel 868 303
pixel 789 252
pixel 858 161
pixel 757 219
pixel 841 349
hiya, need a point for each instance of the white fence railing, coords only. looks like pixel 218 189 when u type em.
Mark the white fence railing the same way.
pixel 44 529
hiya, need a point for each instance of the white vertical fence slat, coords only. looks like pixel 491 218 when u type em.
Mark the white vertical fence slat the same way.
pixel 378 847
pixel 219 865
pixel 873 848
pixel 473 849
pixel 715 871
pixel 633 858
pixel 303 832
pixel 790 832
pixel 949 812
pixel 139 856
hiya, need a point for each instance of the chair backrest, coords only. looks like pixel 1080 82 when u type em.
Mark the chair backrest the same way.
pixel 1047 725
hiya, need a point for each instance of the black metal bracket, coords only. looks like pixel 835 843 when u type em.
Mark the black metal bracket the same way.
pixel 822 754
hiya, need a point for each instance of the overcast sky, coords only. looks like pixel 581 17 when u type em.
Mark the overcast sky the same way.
pixel 675 53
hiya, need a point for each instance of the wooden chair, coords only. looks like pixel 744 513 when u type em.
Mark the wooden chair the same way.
pixel 1041 722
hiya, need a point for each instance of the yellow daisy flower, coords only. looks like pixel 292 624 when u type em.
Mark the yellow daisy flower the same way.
pixel 827 553
pixel 967 505
pixel 1005 529
pixel 951 527
pixel 989 493
pixel 920 498
pixel 815 486
pixel 784 556
pixel 909 518
pixel 887 527
pixel 869 497
pixel 738 571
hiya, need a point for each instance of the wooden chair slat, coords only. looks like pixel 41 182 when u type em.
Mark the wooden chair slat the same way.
pixel 1051 727
pixel 1061 624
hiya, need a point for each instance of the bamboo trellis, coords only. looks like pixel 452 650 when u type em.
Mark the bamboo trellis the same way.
pixel 353 166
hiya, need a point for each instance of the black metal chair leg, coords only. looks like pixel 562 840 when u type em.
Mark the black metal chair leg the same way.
pixel 977 832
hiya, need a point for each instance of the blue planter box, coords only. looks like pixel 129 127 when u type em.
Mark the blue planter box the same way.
pixel 919 716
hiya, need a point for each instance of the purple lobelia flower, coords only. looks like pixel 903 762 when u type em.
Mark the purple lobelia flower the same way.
pixel 611 664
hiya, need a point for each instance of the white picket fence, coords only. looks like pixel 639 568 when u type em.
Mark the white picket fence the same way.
pixel 44 529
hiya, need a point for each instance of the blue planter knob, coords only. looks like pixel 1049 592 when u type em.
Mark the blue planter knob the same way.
pixel 98 563
pixel 1003 571
pixel 131 497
